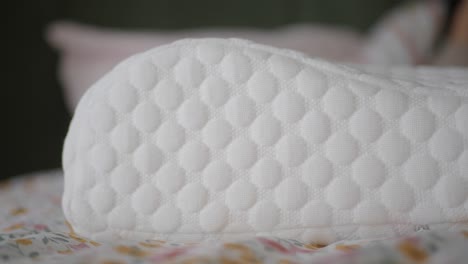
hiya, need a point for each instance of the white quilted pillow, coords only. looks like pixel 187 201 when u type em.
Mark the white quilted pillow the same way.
pixel 218 138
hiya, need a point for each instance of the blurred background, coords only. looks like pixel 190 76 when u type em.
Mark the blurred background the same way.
pixel 39 108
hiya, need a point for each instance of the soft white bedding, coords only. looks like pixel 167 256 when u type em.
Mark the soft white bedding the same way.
pixel 214 138
pixel 451 78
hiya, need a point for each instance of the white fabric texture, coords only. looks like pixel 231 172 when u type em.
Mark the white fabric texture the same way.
pixel 214 138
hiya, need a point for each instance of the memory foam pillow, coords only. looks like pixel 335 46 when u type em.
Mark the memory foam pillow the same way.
pixel 217 138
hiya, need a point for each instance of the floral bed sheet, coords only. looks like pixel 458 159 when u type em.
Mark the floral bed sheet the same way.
pixel 34 230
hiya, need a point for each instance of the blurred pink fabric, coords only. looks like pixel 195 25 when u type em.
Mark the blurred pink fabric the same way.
pixel 89 52
pixel 405 35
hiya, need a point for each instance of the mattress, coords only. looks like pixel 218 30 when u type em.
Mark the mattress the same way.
pixel 34 230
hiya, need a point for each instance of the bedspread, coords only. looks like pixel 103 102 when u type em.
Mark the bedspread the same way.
pixel 34 230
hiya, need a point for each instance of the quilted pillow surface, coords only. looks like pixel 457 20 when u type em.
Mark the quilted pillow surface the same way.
pixel 215 138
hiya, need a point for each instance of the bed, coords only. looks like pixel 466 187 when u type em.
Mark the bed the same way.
pixel 33 228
